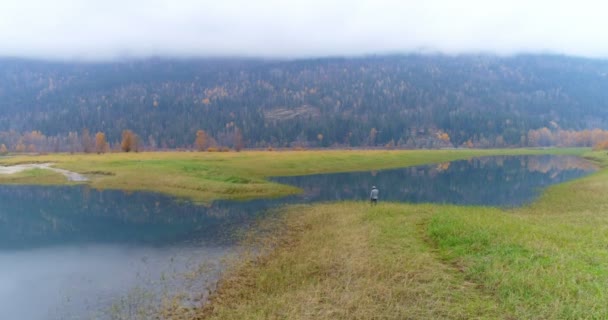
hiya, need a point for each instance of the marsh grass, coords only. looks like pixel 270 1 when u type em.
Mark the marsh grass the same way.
pixel 350 261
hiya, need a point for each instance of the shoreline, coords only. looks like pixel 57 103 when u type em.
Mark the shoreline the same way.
pixel 429 261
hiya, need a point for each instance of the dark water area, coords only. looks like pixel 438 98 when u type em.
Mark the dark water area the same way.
pixel 76 252
pixel 80 253
pixel 37 216
pixel 507 181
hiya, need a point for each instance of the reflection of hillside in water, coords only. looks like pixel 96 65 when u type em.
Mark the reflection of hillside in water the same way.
pixel 542 164
pixel 553 164
pixel 497 181
pixel 35 215
pixel 32 216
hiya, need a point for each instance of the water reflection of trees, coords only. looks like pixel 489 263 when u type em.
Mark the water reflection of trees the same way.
pixel 34 215
pixel 544 163
pixel 504 181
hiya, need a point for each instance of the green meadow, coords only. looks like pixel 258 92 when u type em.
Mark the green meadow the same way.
pixel 349 260
pixel 547 260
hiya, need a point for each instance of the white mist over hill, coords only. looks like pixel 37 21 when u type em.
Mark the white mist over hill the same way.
pixel 107 29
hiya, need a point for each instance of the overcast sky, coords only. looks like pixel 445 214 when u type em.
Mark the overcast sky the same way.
pixel 106 29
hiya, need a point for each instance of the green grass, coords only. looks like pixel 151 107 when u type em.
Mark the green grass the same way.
pixel 350 261
pixel 204 177
pixel 34 176
pixel 547 260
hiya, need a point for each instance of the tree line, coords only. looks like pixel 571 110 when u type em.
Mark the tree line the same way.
pixel 35 141
pixel 85 142
pixel 409 101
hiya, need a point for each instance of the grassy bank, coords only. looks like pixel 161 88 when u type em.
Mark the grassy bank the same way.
pixel 548 260
pixel 206 176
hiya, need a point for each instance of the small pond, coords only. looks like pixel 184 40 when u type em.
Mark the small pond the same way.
pixel 79 253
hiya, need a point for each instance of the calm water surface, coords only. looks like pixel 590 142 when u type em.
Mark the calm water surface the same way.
pixel 495 181
pixel 74 252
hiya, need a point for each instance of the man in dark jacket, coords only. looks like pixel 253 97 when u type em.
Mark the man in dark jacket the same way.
pixel 373 197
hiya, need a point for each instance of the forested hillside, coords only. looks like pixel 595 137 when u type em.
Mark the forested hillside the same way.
pixel 405 101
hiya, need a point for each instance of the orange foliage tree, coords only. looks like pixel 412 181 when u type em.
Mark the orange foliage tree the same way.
pixel 201 140
pixel 544 137
pixel 101 145
pixel 20 147
pixel 443 136
pixel 239 143
pixel 601 145
pixel 87 142
pixel 129 141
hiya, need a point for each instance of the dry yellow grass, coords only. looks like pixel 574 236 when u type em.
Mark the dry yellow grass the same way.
pixel 350 261
pixel 397 261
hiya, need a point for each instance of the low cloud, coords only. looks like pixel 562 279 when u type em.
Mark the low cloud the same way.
pixel 107 29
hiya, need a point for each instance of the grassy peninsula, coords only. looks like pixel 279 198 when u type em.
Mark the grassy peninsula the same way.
pixel 547 260
pixel 205 176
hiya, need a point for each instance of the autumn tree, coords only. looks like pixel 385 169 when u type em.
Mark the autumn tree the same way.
pixel 129 141
pixel 566 138
pixel 239 143
pixel 87 141
pixel 601 145
pixel 34 140
pixel 101 145
pixel 20 147
pixel 372 136
pixel 73 141
pixel 201 140
pixel 3 149
pixel 443 136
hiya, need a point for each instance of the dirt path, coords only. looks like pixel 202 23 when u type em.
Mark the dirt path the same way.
pixel 71 176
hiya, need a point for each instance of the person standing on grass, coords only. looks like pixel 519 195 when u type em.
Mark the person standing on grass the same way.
pixel 373 197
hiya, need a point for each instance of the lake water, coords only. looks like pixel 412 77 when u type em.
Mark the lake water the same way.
pixel 495 181
pixel 79 253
